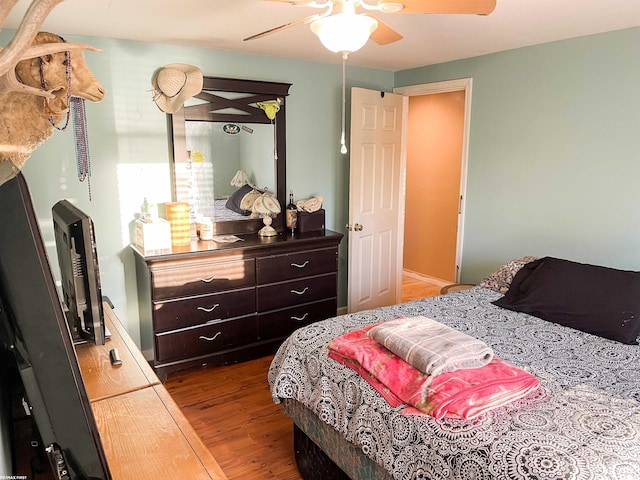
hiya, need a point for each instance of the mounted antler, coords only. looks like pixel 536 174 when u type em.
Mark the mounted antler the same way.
pixel 9 82
pixel 29 27
pixel 20 47
pixel 36 72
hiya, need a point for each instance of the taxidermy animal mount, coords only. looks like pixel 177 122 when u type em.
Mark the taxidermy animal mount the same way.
pixel 39 73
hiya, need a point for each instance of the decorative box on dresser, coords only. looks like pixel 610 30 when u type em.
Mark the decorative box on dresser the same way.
pixel 217 303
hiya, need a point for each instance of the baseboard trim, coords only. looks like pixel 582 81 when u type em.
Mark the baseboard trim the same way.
pixel 426 278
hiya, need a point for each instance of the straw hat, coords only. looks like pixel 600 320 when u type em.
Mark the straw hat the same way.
pixel 175 83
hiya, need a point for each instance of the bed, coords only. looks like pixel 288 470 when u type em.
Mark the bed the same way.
pixel 224 214
pixel 582 423
pixel 236 206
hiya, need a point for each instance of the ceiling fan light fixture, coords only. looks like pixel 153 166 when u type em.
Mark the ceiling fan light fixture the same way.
pixel 390 7
pixel 344 32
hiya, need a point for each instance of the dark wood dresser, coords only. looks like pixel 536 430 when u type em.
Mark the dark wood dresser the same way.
pixel 212 303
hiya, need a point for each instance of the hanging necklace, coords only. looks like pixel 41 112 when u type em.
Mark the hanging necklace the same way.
pixel 80 136
pixel 43 83
pixel 83 160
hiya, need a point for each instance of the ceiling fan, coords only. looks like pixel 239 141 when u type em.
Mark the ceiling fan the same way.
pixel 343 30
pixel 341 17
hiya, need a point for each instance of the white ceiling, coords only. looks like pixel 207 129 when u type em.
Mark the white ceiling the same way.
pixel 428 39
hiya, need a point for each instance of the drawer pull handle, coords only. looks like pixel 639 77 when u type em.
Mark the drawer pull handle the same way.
pixel 209 339
pixel 208 280
pixel 208 309
pixel 300 293
pixel 300 265
pixel 299 319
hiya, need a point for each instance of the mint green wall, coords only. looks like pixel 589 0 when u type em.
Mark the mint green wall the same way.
pixel 128 146
pixel 554 153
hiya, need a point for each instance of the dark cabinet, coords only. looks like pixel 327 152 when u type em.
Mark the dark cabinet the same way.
pixel 215 304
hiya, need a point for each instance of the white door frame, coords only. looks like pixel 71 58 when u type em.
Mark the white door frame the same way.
pixel 444 87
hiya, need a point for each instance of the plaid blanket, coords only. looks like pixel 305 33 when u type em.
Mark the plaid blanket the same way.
pixel 430 346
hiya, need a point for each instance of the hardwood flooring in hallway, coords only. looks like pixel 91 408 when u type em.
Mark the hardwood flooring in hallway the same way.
pixel 413 289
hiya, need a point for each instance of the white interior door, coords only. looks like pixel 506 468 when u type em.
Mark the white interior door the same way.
pixel 376 199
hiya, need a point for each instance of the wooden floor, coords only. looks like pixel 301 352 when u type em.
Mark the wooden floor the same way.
pixel 231 409
pixel 413 289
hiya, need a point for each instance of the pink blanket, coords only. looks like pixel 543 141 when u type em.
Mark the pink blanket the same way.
pixel 464 393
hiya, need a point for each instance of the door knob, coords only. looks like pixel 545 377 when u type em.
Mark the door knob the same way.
pixel 356 226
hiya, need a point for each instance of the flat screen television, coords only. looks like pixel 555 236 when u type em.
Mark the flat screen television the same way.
pixel 79 272
pixel 34 332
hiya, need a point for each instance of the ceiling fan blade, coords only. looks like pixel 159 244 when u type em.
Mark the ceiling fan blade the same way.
pixel 384 34
pixel 308 19
pixel 478 7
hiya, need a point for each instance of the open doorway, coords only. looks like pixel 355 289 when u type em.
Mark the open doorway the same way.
pixel 436 159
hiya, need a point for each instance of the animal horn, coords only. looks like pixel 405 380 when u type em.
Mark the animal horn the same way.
pixel 5 8
pixel 21 41
pixel 47 48
pixel 9 83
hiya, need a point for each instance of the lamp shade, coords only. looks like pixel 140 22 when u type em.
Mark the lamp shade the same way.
pixel 266 204
pixel 344 32
pixel 239 179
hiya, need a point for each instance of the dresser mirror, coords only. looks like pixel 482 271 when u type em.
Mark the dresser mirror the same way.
pixel 232 127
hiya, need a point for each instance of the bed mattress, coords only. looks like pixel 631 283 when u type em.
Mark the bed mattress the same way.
pixel 584 423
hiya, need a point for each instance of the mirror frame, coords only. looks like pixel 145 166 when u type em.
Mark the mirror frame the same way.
pixel 256 91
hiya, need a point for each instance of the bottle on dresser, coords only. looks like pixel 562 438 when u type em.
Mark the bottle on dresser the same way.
pixel 291 214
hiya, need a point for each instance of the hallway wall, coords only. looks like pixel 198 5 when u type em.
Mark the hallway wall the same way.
pixel 434 153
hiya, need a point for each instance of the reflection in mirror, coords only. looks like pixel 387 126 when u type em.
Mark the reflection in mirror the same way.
pixel 223 131
pixel 218 151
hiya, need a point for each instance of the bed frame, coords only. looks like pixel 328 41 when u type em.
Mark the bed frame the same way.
pixel 337 460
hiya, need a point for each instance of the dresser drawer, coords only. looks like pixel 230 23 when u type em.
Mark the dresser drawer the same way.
pixel 282 322
pixel 205 339
pixel 305 290
pixel 185 312
pixel 202 278
pixel 278 268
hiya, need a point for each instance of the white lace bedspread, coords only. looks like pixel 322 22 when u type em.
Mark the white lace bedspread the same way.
pixel 223 214
pixel 584 424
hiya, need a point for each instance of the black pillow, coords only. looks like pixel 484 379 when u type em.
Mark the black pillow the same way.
pixel 233 202
pixel 598 300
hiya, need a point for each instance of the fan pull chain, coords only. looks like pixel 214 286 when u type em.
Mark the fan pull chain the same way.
pixel 275 141
pixel 80 136
pixel 343 147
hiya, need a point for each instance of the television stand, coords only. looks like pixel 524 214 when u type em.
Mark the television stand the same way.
pixel 142 430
